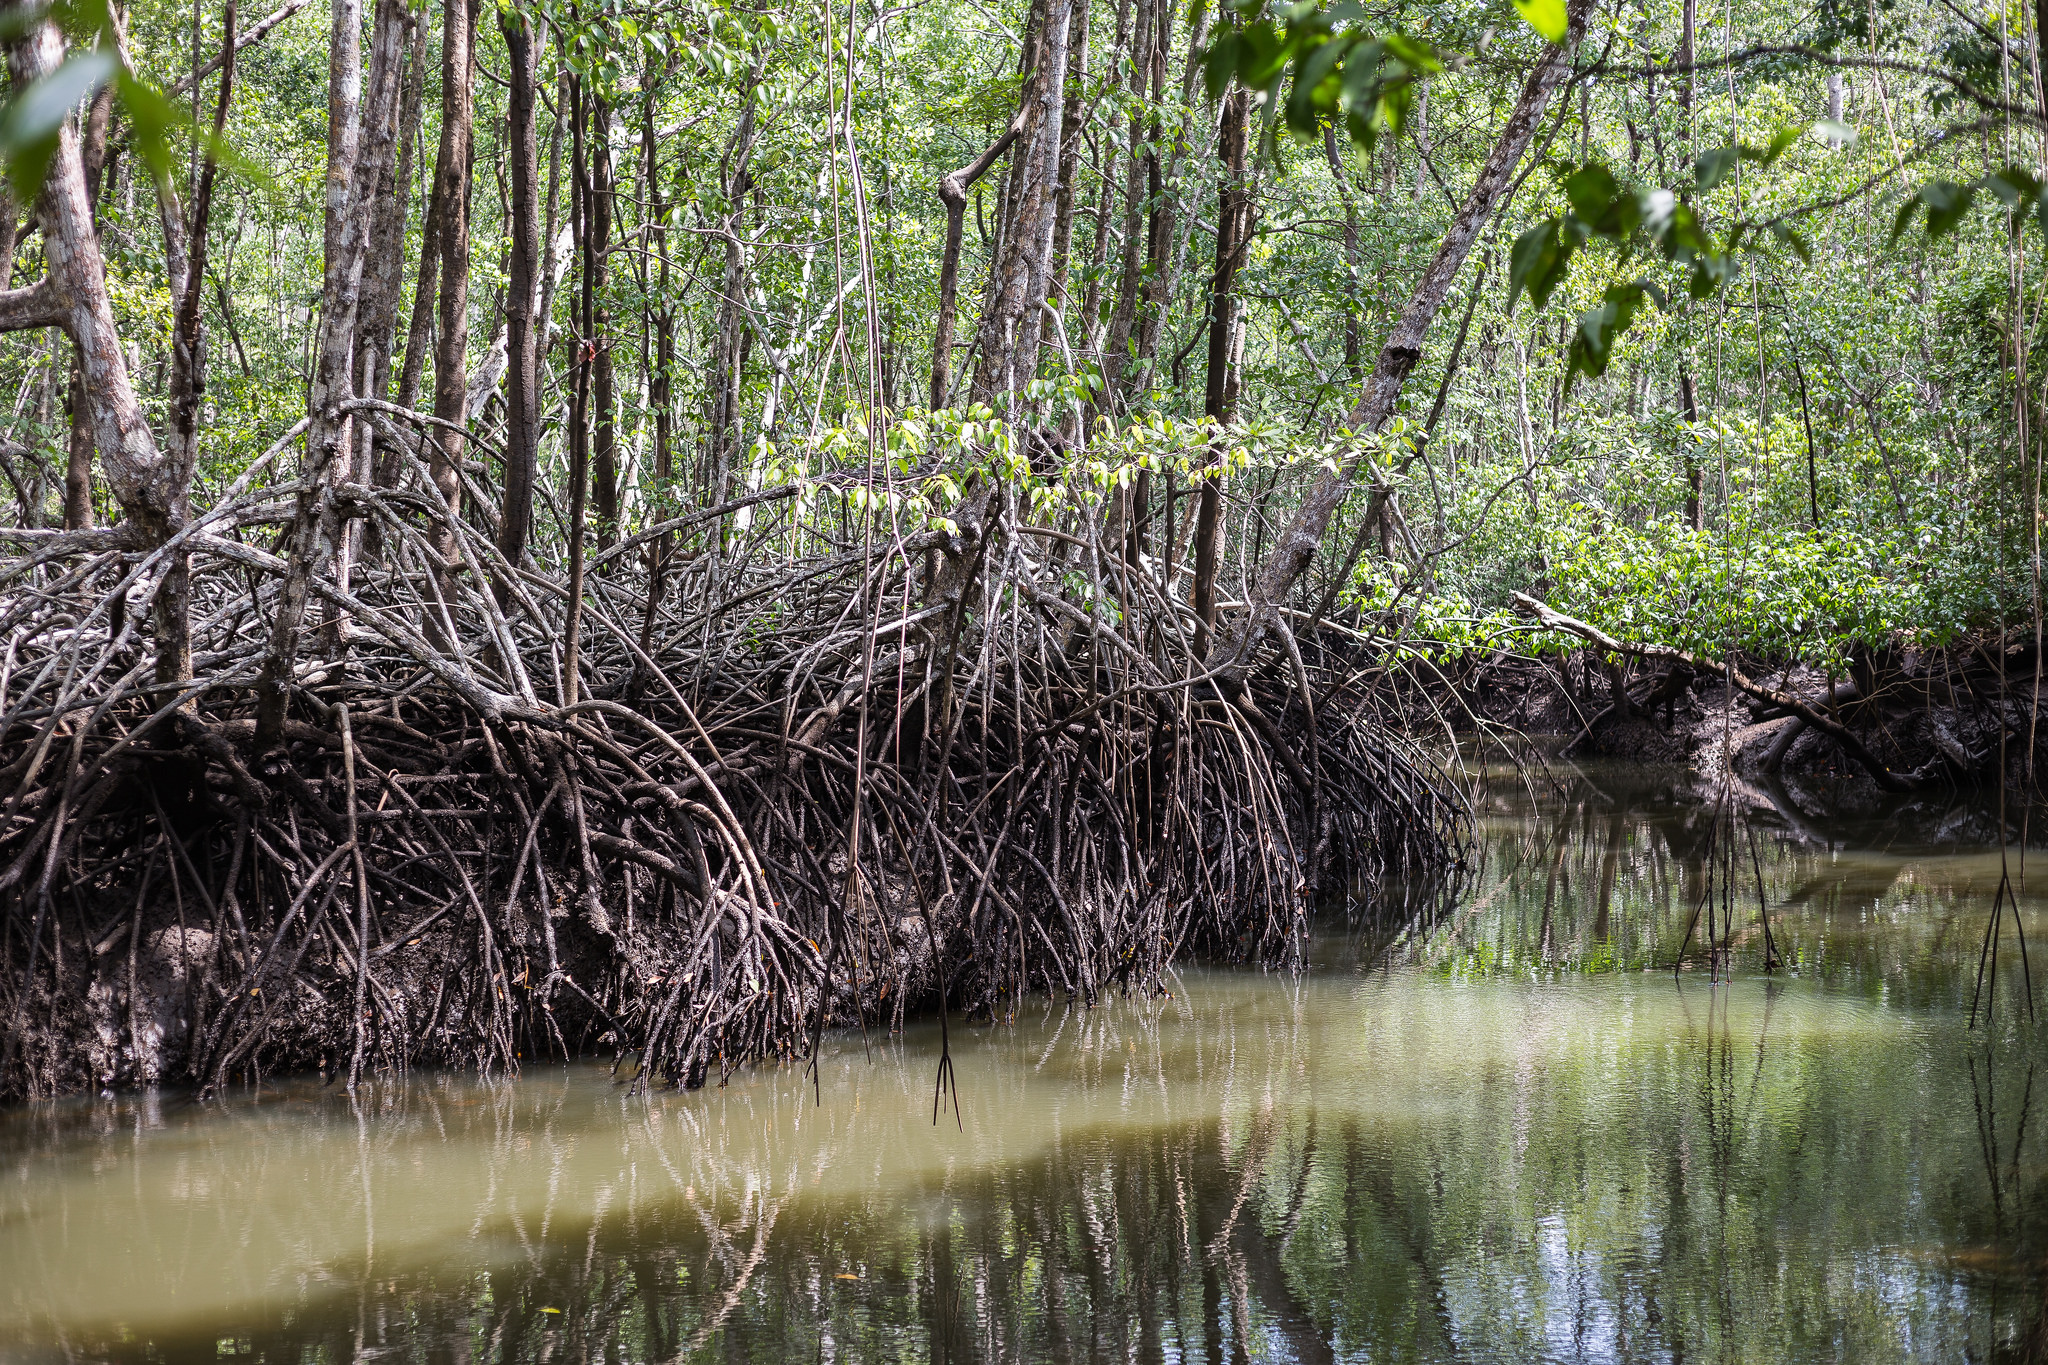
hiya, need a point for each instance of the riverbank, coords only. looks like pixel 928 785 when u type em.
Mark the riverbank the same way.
pixel 1512 1133
pixel 1924 720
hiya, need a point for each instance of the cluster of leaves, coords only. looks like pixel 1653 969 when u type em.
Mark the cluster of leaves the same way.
pixel 1342 74
pixel 1769 595
pixel 1947 202
pixel 1643 222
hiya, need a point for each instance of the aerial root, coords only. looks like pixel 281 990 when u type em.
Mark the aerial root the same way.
pixel 804 800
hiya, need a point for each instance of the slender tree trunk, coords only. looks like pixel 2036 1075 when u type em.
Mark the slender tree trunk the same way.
pixel 660 394
pixel 581 214
pixel 387 257
pixel 730 321
pixel 1233 231
pixel 953 194
pixel 1070 154
pixel 369 329
pixel 451 340
pixel 419 331
pixel 1695 479
pixel 522 390
pixel 317 523
pixel 1123 314
pixel 187 387
pixel 1234 650
pixel 1695 511
pixel 1006 350
pixel 78 452
pixel 604 455
pixel 1354 304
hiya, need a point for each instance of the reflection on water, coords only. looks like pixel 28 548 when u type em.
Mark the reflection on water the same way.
pixel 1500 1139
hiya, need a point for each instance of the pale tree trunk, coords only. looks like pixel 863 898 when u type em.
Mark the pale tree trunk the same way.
pixel 371 316
pixel 1070 155
pixel 583 309
pixel 1006 351
pixel 953 194
pixel 1688 404
pixel 1235 650
pixel 73 296
pixel 1130 281
pixel 1006 345
pixel 730 322
pixel 522 390
pixel 419 331
pixel 352 175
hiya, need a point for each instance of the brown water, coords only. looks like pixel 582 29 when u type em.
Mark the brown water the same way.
pixel 1497 1137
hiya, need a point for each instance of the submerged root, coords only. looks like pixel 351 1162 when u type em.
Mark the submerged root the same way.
pixel 794 795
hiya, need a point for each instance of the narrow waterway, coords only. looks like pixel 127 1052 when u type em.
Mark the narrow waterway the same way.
pixel 1507 1133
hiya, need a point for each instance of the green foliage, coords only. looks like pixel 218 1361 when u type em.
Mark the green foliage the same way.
pixel 1340 72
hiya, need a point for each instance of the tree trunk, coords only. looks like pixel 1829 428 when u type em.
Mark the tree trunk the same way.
pixel 1070 154
pixel 604 453
pixel 1233 231
pixel 387 257
pixel 74 296
pixel 1234 651
pixel 1006 350
pixel 1124 312
pixel 1353 339
pixel 660 391
pixel 522 389
pixel 581 215
pixel 953 194
pixel 451 327
pixel 730 325
pixel 78 452
pixel 187 386
pixel 369 333
pixel 1695 479
pixel 352 172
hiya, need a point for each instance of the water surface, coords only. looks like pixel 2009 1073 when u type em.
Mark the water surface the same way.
pixel 1506 1134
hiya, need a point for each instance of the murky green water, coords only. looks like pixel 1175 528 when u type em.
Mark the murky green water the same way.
pixel 1500 1138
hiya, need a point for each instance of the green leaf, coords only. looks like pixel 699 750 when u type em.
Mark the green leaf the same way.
pixel 1547 17
pixel 1710 271
pixel 1714 166
pixel 1540 259
pixel 2015 188
pixel 1600 202
pixel 1904 218
pixel 1315 89
pixel 1945 201
pixel 1776 147
pixel 1784 233
pixel 1221 62
pixel 31 121
pixel 1835 133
